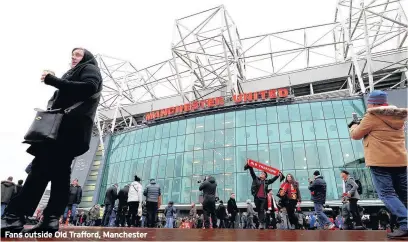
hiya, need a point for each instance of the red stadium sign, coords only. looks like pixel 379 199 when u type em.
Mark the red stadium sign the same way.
pixel 217 102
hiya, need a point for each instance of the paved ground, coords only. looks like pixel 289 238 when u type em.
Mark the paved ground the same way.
pixel 127 234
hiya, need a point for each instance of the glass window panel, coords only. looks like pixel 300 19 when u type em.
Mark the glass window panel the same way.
pixel 219 138
pixel 208 163
pixel 176 191
pixel 296 129
pixel 251 135
pixel 154 167
pixel 126 139
pixel 302 178
pixel 359 107
pixel 220 185
pixel 240 135
pixel 123 154
pixel 244 182
pixel 182 127
pixel 142 149
pixel 188 164
pixel 250 118
pixel 260 115
pixel 308 130
pixel 347 149
pixel 198 162
pixel 327 110
pixel 317 110
pixel 294 114
pixel 312 155
pixel 358 148
pixel 262 134
pixel 229 137
pixel 180 143
pixel 152 132
pixel 287 156
pixel 273 133
pixel 275 155
pixel 299 155
pixel 138 136
pixel 320 129
pixel 129 152
pixel 283 114
pixel 145 134
pixel 166 130
pixel 209 140
pixel 240 118
pixel 186 190
pixel 229 185
pixel 140 165
pixel 336 153
pixel 219 121
pixel 272 115
pixel 170 166
pixel 348 107
pixel 209 122
pixel 229 120
pixel 342 128
pixel 338 109
pixel 146 171
pixel 323 148
pixel 263 154
pixel 241 157
pixel 219 160
pixel 199 126
pixel 159 132
pixel 156 147
pixel 168 187
pixel 230 159
pixel 172 145
pixel 284 132
pixel 173 128
pixel 164 146
pixel 252 153
pixel 305 111
pixel 121 171
pixel 198 141
pixel 331 126
pixel 331 188
pixel 189 142
pixel 190 126
pixel 194 188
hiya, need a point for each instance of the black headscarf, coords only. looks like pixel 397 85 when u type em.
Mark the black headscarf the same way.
pixel 88 59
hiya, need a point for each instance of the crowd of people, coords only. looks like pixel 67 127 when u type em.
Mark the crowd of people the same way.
pixel 72 109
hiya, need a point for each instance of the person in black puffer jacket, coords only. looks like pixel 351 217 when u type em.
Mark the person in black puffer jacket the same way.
pixel 75 197
pixel 209 188
pixel 53 158
pixel 317 188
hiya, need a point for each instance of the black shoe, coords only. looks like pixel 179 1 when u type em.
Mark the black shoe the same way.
pixel 398 234
pixel 47 225
pixel 11 223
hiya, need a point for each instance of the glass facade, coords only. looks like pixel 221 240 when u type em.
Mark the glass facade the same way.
pixel 296 138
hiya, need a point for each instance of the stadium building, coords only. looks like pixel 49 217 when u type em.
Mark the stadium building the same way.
pixel 283 99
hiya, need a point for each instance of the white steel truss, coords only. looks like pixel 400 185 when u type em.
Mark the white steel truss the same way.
pixel 208 55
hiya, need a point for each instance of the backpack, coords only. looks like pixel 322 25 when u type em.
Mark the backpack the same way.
pixel 360 187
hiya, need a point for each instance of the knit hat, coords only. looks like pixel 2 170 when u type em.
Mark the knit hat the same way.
pixel 316 173
pixel 377 97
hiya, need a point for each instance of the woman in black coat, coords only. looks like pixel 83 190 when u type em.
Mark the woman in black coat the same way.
pixel 53 160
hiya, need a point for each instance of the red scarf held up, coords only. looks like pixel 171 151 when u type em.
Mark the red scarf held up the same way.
pixel 263 167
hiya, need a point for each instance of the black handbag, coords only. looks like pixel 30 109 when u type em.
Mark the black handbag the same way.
pixel 46 123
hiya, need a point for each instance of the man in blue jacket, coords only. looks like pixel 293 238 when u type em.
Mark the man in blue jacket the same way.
pixel 317 188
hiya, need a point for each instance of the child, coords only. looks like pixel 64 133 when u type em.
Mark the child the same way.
pixel 170 213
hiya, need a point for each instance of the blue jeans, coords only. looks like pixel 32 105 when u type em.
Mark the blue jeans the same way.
pixel 391 186
pixel 323 220
pixel 143 221
pixel 169 223
pixel 73 211
pixel 3 207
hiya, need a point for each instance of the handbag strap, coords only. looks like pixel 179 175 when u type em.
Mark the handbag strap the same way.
pixel 69 109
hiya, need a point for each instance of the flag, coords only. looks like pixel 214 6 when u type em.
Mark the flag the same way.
pixel 265 168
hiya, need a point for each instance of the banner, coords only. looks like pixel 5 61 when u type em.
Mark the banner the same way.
pixel 263 167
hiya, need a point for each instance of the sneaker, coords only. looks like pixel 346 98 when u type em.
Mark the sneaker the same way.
pixel 11 223
pixel 331 227
pixel 398 233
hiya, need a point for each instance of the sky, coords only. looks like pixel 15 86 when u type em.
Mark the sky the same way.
pixel 39 35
